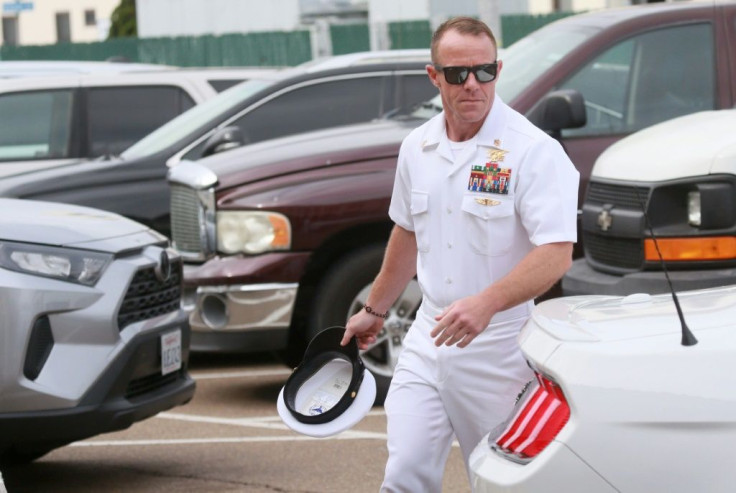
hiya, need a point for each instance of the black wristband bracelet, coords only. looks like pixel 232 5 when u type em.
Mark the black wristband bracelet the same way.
pixel 375 313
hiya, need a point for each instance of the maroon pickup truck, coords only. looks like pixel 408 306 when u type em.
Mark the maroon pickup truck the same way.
pixel 282 239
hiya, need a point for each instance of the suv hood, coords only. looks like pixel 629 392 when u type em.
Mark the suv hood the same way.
pixel 692 145
pixel 49 223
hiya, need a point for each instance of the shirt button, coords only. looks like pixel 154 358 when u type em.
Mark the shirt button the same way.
pixel 449 244
pixel 448 280
pixel 449 210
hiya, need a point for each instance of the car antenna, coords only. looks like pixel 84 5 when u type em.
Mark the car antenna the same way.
pixel 688 339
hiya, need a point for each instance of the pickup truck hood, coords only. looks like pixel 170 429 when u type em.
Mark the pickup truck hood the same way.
pixel 323 148
pixel 13 168
pixel 50 223
pixel 692 145
pixel 602 319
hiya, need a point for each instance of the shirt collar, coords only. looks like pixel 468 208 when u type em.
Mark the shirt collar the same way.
pixel 435 136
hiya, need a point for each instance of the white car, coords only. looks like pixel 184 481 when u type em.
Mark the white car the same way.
pixel 53 120
pixel 619 404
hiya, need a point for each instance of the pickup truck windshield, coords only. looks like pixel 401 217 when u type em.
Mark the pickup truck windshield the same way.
pixel 526 60
pixel 192 119
pixel 531 56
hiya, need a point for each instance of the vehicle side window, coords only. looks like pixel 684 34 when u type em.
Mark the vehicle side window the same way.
pixel 119 116
pixel 413 89
pixel 35 125
pixel 220 85
pixel 315 106
pixel 647 79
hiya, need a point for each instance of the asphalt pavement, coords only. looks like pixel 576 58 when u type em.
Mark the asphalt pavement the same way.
pixel 228 439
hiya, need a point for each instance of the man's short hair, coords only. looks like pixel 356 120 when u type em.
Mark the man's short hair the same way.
pixel 463 25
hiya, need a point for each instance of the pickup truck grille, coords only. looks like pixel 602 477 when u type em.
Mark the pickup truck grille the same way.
pixel 609 250
pixel 188 228
pixel 148 297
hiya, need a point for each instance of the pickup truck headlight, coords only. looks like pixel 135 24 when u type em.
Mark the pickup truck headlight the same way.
pixel 252 232
pixel 64 264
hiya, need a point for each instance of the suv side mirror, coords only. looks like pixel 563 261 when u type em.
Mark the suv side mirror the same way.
pixel 223 139
pixel 558 110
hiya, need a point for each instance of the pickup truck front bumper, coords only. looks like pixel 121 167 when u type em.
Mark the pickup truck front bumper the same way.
pixel 242 304
pixel 583 279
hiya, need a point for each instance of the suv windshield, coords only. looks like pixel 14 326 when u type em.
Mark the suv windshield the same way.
pixel 526 60
pixel 194 118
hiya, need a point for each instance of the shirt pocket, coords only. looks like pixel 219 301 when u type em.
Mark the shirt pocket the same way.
pixel 490 228
pixel 420 216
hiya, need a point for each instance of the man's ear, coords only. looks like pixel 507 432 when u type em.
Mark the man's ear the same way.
pixel 432 73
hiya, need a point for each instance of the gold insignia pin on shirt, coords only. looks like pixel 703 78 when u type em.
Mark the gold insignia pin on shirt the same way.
pixel 496 155
pixel 483 201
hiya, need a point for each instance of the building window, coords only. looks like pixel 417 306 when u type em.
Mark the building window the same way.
pixel 63 31
pixel 10 31
pixel 89 18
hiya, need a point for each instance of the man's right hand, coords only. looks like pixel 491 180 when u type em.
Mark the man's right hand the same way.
pixel 364 327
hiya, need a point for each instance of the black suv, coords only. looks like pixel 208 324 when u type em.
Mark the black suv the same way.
pixel 280 103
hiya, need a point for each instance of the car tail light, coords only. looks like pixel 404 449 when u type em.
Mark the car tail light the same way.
pixel 540 413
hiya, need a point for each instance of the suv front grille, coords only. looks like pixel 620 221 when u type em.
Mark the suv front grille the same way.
pixel 149 383
pixel 148 297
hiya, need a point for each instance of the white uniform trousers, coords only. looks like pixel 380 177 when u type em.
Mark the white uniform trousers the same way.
pixel 440 391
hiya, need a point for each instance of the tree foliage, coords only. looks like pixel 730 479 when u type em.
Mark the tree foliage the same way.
pixel 123 20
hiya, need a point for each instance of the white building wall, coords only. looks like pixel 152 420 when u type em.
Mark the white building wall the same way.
pixel 158 18
pixel 38 25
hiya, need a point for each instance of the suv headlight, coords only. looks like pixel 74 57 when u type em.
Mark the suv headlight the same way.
pixel 252 232
pixel 64 264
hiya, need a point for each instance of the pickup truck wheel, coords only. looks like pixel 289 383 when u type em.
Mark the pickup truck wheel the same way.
pixel 343 292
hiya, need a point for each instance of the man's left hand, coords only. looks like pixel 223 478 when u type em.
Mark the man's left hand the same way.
pixel 461 322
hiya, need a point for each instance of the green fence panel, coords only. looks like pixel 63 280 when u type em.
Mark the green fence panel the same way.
pixel 515 27
pixel 252 49
pixel 409 34
pixel 256 49
pixel 349 38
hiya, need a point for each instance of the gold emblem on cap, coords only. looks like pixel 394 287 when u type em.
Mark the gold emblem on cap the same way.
pixel 490 202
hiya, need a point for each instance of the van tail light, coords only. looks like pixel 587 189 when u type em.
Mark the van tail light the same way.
pixel 540 413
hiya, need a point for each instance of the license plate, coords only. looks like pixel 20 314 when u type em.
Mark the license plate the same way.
pixel 170 352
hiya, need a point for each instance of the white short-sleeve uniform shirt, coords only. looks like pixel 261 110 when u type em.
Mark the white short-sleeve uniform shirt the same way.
pixel 478 210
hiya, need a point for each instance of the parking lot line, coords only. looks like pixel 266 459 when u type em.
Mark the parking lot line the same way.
pixel 239 374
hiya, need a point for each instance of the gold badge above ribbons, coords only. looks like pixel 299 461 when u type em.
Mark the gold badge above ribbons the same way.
pixel 496 155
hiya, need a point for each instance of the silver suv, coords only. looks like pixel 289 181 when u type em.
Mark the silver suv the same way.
pixel 92 338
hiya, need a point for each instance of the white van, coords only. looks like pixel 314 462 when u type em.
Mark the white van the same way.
pixel 667 190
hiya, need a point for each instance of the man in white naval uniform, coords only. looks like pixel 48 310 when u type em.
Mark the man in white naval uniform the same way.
pixel 484 206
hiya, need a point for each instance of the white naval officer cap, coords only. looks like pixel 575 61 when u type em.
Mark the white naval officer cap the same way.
pixel 330 391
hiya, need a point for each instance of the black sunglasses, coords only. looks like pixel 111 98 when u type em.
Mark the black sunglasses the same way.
pixel 458 75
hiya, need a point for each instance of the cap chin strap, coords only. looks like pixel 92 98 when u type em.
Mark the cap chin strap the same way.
pixel 325 347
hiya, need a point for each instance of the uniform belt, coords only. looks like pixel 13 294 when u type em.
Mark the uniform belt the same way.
pixel 522 310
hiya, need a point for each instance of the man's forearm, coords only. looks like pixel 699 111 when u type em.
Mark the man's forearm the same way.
pixel 398 268
pixel 532 277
